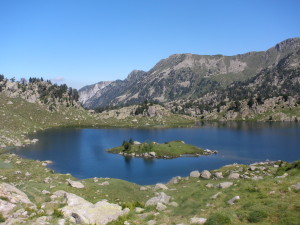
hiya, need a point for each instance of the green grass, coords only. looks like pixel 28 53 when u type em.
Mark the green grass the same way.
pixel 256 205
pixel 170 149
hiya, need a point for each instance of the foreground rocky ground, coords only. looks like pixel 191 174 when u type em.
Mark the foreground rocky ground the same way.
pixel 262 193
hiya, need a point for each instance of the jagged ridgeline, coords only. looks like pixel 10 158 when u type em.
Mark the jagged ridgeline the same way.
pixel 37 90
pixel 207 84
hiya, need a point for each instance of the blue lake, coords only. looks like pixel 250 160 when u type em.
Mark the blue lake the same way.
pixel 81 152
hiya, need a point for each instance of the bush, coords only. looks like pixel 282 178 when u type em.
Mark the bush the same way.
pixel 217 219
pixel 147 147
pixel 132 205
pixel 58 213
pixel 2 219
pixel 286 167
pixel 126 145
pixel 256 216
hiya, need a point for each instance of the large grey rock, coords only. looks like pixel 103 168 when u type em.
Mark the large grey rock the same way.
pixel 175 204
pixel 205 174
pixel 61 222
pixel 152 154
pixel 13 221
pixel 6 207
pixel 161 197
pixel 160 207
pixel 216 195
pixel 85 212
pixel 252 168
pixel 224 185
pixel 143 188
pixel 160 186
pixel 296 186
pixel 151 222
pixel 209 185
pixel 138 210
pixel 283 176
pixel 12 194
pixel 44 220
pixel 174 180
pixel 233 200
pixel 218 175
pixel 196 220
pixel 195 173
pixel 234 176
pixel 75 184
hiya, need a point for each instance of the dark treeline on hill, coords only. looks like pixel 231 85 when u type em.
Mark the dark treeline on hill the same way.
pixel 39 90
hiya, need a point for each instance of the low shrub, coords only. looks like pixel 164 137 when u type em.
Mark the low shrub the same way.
pixel 257 216
pixel 2 219
pixel 132 205
pixel 217 219
pixel 58 213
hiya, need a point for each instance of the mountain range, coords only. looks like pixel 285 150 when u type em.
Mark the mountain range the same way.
pixel 191 76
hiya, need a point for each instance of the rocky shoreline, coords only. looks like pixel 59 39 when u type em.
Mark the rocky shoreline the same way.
pixel 152 155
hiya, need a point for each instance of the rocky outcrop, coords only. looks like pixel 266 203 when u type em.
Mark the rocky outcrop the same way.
pixel 12 199
pixel 12 194
pixel 224 185
pixel 91 91
pixel 205 174
pixel 81 211
pixel 233 200
pixel 195 173
pixel 75 184
pixel 160 198
pixel 125 112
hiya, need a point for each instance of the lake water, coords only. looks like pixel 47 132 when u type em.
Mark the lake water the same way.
pixel 81 152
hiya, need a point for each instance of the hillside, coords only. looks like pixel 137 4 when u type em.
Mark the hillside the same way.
pixel 27 107
pixel 184 76
pixel 272 94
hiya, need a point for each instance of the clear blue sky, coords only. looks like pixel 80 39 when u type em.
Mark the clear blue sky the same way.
pixel 84 41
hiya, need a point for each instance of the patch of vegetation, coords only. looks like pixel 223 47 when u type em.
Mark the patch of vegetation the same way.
pixel 58 213
pixel 3 198
pixel 132 205
pixel 169 149
pixel 257 216
pixel 2 219
pixel 218 219
pixel 287 167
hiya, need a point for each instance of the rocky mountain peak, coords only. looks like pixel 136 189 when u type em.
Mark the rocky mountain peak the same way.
pixel 90 91
pixel 291 43
pixel 135 74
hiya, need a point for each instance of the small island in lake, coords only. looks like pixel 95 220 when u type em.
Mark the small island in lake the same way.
pixel 167 150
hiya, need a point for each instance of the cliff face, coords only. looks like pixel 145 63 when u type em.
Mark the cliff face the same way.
pixel 183 76
pixel 41 92
pixel 90 91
